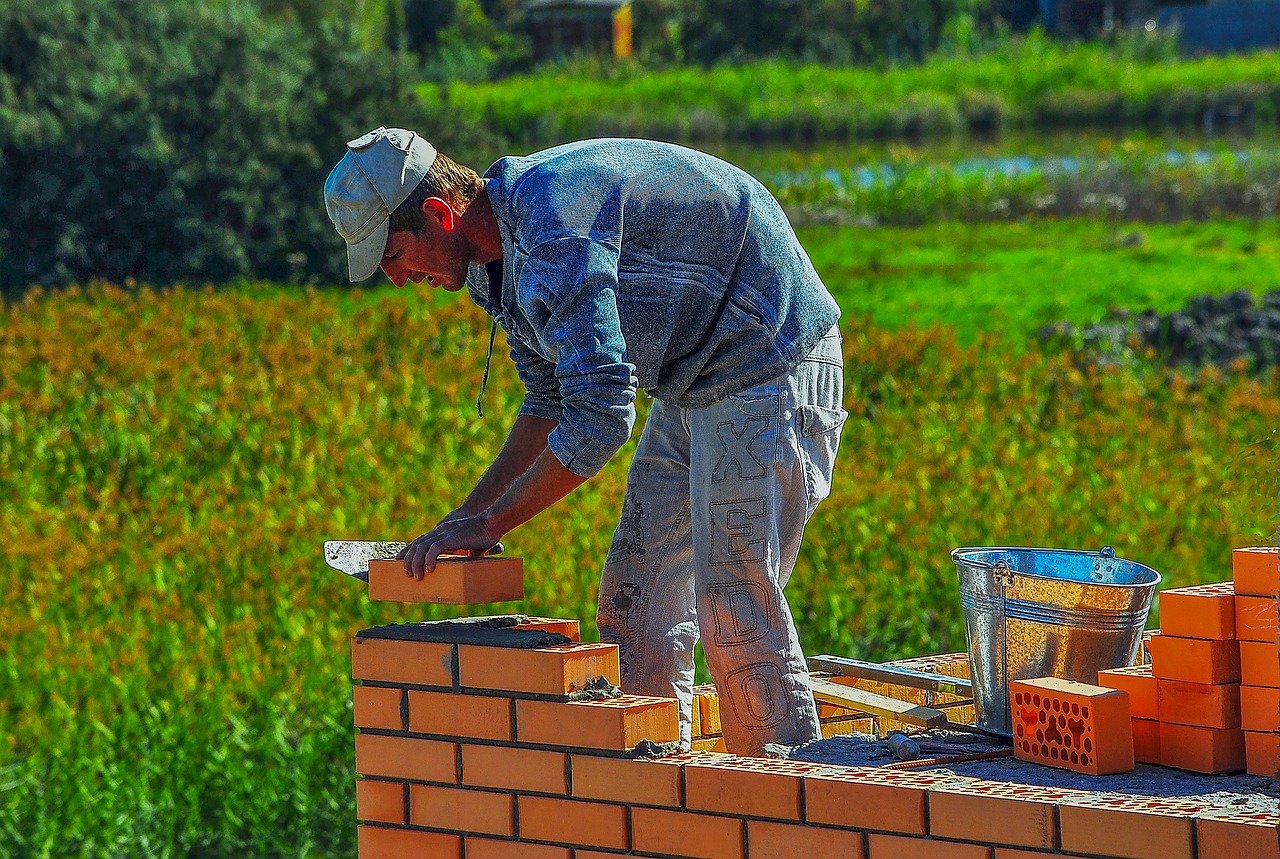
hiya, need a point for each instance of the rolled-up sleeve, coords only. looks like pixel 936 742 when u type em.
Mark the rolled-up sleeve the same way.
pixel 568 288
pixel 542 389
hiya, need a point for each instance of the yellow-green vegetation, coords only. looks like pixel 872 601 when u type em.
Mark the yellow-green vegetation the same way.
pixel 1026 82
pixel 176 659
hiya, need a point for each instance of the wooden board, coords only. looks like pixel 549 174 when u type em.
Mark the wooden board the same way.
pixel 876 705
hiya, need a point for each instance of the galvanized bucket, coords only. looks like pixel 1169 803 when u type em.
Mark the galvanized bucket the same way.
pixel 1047 613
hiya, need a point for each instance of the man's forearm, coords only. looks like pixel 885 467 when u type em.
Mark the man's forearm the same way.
pixel 525 443
pixel 545 483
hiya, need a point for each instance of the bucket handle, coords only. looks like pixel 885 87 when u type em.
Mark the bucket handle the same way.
pixel 1104 564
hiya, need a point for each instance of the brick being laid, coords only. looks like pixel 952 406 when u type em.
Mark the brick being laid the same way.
pixel 454 581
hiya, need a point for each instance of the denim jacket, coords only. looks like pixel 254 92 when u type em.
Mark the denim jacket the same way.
pixel 635 264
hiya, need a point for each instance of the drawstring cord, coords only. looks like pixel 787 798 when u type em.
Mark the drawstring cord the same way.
pixel 493 332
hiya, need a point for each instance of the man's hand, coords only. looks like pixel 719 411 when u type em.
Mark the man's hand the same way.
pixel 453 534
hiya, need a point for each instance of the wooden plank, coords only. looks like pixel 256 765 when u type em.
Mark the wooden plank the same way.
pixel 846 667
pixel 876 705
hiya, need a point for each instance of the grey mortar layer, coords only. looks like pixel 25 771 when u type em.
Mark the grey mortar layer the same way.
pixel 1239 792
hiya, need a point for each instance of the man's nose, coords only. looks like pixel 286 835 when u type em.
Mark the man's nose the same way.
pixel 395 274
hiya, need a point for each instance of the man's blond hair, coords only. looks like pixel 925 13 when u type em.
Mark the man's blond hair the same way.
pixel 447 179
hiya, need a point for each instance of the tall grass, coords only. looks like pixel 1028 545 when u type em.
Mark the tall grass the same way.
pixel 176 660
pixel 1027 82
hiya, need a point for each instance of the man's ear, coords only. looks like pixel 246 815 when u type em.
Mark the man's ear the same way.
pixel 442 212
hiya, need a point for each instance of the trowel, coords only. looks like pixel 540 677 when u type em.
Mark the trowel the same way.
pixel 353 556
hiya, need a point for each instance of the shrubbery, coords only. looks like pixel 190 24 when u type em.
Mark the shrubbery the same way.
pixel 167 140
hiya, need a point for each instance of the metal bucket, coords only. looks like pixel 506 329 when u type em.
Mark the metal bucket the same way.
pixel 1047 613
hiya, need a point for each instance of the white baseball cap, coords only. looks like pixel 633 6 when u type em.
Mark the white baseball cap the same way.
pixel 378 172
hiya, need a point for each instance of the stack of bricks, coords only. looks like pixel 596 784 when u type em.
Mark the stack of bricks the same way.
pixel 473 744
pixel 1210 699
pixel 1256 574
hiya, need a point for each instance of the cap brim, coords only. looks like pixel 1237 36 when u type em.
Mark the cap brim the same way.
pixel 364 257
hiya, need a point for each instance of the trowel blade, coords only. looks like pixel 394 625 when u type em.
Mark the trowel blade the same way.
pixel 353 556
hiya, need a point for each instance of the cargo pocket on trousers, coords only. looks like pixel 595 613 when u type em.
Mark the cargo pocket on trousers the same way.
pixel 819 441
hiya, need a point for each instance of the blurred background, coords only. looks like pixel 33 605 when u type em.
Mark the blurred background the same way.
pixel 1050 225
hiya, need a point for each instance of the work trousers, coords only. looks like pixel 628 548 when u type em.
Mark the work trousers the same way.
pixel 716 503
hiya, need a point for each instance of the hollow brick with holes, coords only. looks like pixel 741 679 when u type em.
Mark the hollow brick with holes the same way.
pixel 1194 660
pixel 1072 725
pixel 482 717
pixel 384 842
pixel 617 724
pixel 1259 664
pixel 1259 708
pixel 1236 834
pixel 1140 683
pixel 1255 570
pixel 1199 611
pixel 559 670
pixel 1201 704
pixel 1262 753
pixel 1256 619
pixel 1202 750
pixel 454 581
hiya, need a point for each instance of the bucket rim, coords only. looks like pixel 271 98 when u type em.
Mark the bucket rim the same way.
pixel 959 560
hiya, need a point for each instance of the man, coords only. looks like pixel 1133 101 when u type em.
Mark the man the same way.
pixel 615 265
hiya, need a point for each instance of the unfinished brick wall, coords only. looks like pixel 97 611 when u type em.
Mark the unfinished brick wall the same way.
pixel 472 750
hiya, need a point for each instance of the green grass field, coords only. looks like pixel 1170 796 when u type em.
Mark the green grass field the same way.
pixel 176 668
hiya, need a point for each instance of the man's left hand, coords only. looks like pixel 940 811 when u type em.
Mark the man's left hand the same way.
pixel 468 533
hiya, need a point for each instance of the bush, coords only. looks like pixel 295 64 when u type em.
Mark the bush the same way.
pixel 162 140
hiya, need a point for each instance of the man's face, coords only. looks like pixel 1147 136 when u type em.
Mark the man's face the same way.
pixel 436 254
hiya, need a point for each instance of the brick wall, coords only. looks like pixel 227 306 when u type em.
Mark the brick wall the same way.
pixel 484 743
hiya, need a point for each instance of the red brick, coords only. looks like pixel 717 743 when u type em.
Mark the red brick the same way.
pixel 1072 725
pixel 489 848
pixel 1262 753
pixel 994 814
pixel 1259 664
pixel 707 710
pixel 617 724
pixel 421 663
pixel 1237 834
pixel 752 787
pixel 483 717
pixel 1203 750
pixel 1200 704
pixel 1256 570
pixel 635 782
pixel 1146 741
pixel 379 707
pixel 767 840
pixel 517 769
pixel 557 670
pixel 1194 660
pixel 378 842
pixel 407 758
pixel 454 581
pixel 1256 619
pixel 1017 853
pixel 882 800
pixel 569 821
pixel 380 801
pixel 471 811
pixel 682 833
pixel 1133 828
pixel 1140 683
pixel 1259 708
pixel 1200 611
pixel 900 847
